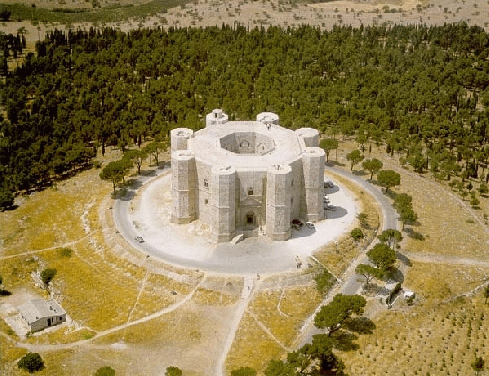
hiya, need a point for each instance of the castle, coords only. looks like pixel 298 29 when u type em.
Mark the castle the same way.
pixel 246 177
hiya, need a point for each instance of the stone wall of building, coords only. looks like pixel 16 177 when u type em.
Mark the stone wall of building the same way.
pixel 251 177
pixel 279 178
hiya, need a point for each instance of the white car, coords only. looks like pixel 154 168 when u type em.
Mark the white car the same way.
pixel 325 199
pixel 310 224
pixel 139 239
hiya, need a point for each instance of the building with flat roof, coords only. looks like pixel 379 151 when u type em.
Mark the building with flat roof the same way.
pixel 247 177
pixel 40 314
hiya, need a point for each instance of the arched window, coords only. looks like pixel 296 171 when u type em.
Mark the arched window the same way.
pixel 250 191
pixel 206 183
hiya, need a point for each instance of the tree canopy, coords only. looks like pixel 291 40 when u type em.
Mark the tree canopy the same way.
pixel 391 237
pixel 354 157
pixel 31 362
pixel 99 87
pixel 115 171
pixel 328 144
pixel 388 179
pixel 47 275
pixel 369 272
pixel 382 256
pixel 333 315
pixel 372 165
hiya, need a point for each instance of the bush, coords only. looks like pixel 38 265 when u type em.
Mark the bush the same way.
pixel 31 363
pixel 47 275
pixel 324 281
pixel 105 371
pixel 356 234
pixel 244 371
pixel 416 235
pixel 173 371
pixel 65 252
pixel 6 198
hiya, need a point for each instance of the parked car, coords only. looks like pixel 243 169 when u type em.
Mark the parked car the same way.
pixel 310 225
pixel 328 184
pixel 139 239
pixel 330 207
pixel 325 199
pixel 297 224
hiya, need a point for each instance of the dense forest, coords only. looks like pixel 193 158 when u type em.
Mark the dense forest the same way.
pixel 421 91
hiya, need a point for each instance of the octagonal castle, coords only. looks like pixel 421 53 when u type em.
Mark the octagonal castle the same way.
pixel 246 177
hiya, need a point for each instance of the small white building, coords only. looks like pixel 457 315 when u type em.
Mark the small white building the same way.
pixel 40 314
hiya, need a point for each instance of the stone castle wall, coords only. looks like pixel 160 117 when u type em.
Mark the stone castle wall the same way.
pixel 246 177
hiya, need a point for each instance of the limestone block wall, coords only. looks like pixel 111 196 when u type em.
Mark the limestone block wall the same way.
pixel 278 202
pixel 180 139
pixel 183 186
pixel 268 118
pixel 204 192
pixel 313 166
pixel 297 192
pixel 216 117
pixel 250 197
pixel 310 137
pixel 223 203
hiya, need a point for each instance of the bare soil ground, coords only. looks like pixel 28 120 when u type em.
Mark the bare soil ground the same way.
pixel 276 12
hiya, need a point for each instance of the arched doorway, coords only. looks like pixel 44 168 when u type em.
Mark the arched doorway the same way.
pixel 250 220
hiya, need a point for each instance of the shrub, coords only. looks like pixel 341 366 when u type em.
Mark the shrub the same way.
pixel 244 371
pixel 31 363
pixel 357 234
pixel 173 371
pixel 105 371
pixel 324 281
pixel 65 252
pixel 47 275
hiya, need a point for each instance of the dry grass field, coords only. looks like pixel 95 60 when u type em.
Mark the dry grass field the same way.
pixel 445 327
pixel 105 293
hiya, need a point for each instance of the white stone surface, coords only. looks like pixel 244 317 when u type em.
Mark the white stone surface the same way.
pixel 191 245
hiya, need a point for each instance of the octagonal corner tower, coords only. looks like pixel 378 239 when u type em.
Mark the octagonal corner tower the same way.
pixel 246 177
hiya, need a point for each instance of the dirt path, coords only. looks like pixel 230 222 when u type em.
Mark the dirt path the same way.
pixel 443 259
pixel 64 245
pixel 269 333
pixel 47 348
pixel 250 286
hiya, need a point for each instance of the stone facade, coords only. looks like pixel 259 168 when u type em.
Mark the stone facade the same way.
pixel 247 177
pixel 40 314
